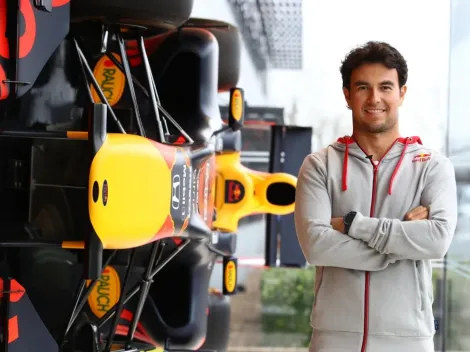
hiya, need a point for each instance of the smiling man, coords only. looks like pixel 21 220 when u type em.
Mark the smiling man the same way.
pixel 372 210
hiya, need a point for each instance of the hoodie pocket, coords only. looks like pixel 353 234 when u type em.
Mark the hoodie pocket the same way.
pixel 419 284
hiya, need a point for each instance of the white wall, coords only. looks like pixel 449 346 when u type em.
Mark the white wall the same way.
pixel 250 79
pixel 418 28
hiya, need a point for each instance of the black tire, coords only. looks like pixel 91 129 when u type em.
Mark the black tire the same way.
pixel 46 268
pixel 153 13
pixel 218 323
pixel 228 37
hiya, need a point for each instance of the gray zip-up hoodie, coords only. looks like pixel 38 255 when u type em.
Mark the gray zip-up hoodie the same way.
pixel 373 287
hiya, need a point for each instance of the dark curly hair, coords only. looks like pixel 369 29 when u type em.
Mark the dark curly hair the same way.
pixel 374 52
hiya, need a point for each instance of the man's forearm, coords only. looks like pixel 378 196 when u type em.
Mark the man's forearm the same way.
pixel 324 246
pixel 418 213
pixel 418 239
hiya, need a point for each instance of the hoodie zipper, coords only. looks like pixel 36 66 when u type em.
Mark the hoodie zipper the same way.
pixel 367 280
pixel 375 166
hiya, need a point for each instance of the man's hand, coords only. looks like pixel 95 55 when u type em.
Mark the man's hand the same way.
pixel 418 213
pixel 338 224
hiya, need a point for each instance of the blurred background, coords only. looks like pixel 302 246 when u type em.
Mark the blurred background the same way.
pixel 292 51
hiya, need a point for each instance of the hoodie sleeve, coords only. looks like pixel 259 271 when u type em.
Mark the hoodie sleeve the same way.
pixel 419 239
pixel 320 243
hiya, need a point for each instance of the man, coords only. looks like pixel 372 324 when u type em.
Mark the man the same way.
pixel 371 211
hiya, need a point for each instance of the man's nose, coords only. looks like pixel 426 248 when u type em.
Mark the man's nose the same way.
pixel 374 96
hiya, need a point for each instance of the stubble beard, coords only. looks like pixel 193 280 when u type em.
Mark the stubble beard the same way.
pixel 386 126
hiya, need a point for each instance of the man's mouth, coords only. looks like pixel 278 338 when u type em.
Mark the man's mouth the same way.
pixel 374 111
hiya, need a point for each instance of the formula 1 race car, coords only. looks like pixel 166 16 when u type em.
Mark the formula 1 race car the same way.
pixel 120 185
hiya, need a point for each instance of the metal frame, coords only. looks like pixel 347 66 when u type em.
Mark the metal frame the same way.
pixel 161 115
pixel 272 30
pixel 154 266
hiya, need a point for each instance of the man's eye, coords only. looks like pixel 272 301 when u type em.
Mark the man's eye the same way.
pixel 386 87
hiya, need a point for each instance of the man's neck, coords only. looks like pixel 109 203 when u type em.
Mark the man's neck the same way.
pixel 375 144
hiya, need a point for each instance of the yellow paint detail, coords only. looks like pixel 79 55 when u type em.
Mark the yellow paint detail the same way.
pixel 230 276
pixel 255 185
pixel 105 293
pixel 73 245
pixel 110 78
pixel 237 105
pixel 77 135
pixel 137 200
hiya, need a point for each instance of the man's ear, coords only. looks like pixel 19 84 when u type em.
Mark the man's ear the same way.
pixel 403 91
pixel 347 97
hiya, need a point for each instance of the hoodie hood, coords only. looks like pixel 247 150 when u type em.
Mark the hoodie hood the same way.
pixel 397 151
